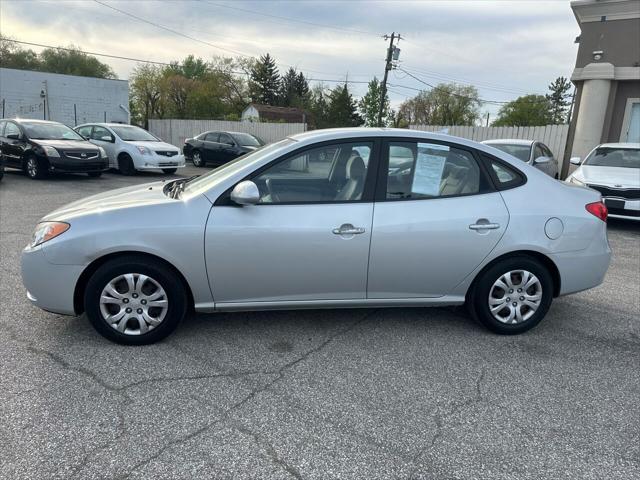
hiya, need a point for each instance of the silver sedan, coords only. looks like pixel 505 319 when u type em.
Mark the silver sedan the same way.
pixel 325 219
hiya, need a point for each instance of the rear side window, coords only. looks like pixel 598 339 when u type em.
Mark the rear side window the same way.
pixel 418 170
pixel 504 176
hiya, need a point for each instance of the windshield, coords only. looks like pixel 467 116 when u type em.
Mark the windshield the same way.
pixel 50 131
pixel 521 152
pixel 204 182
pixel 246 140
pixel 614 157
pixel 134 134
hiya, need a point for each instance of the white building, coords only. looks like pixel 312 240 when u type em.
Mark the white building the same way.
pixel 67 99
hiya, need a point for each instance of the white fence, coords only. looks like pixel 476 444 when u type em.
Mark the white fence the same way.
pixel 175 131
pixel 553 136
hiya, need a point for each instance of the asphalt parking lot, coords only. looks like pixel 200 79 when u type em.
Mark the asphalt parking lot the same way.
pixel 345 394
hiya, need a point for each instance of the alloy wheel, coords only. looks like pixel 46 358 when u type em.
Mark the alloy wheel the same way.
pixel 133 303
pixel 32 167
pixel 197 160
pixel 515 297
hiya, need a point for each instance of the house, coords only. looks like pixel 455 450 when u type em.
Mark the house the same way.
pixel 606 75
pixel 268 113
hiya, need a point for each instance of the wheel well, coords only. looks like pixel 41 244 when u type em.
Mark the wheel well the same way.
pixel 541 257
pixel 123 154
pixel 78 294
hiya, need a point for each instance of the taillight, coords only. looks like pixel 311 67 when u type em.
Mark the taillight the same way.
pixel 598 209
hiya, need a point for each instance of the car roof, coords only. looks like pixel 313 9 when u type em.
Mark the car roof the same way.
pixel 620 145
pixel 509 141
pixel 102 124
pixel 31 120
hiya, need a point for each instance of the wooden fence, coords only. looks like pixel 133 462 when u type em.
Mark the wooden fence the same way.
pixel 175 131
pixel 553 136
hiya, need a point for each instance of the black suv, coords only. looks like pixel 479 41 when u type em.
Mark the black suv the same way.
pixel 39 147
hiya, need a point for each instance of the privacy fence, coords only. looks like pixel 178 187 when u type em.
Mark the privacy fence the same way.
pixel 553 136
pixel 175 131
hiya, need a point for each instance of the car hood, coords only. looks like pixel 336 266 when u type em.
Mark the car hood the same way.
pixel 609 176
pixel 155 145
pixel 128 197
pixel 68 144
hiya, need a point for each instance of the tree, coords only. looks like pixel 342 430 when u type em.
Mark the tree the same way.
pixel 294 89
pixel 528 110
pixel 369 105
pixel 445 104
pixel 264 83
pixel 319 106
pixel 559 100
pixel 342 110
pixel 71 61
pixel 146 93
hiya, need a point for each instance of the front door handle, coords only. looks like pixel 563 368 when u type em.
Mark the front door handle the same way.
pixel 484 226
pixel 348 229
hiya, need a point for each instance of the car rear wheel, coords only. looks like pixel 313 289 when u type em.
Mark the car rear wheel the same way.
pixel 35 168
pixel 135 301
pixel 125 165
pixel 169 171
pixel 512 296
pixel 197 159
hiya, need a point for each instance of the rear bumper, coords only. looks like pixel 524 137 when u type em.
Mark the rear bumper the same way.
pixel 50 287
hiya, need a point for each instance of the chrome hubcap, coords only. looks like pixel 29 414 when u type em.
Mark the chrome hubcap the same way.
pixel 515 296
pixel 32 167
pixel 133 304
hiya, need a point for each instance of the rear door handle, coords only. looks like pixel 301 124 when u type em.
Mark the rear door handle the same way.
pixel 484 226
pixel 348 229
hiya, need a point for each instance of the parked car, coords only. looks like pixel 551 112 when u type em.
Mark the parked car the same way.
pixel 613 169
pixel 41 147
pixel 132 148
pixel 293 225
pixel 1 167
pixel 531 152
pixel 218 148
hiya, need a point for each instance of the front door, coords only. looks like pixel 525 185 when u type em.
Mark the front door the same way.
pixel 437 219
pixel 210 147
pixel 13 148
pixel 105 139
pixel 307 238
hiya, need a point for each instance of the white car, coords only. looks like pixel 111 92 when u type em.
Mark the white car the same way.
pixel 132 148
pixel 535 153
pixel 613 169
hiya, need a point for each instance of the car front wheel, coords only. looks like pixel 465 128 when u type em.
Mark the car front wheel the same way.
pixel 512 296
pixel 35 168
pixel 135 301
pixel 197 159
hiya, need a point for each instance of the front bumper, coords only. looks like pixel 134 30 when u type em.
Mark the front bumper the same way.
pixel 154 162
pixel 619 207
pixel 64 165
pixel 50 287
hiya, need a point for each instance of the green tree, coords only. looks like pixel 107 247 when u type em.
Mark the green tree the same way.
pixel 342 110
pixel 528 110
pixel 369 106
pixel 558 96
pixel 446 104
pixel 146 94
pixel 319 106
pixel 264 83
pixel 13 56
pixel 294 89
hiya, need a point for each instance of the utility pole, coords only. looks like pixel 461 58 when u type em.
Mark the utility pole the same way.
pixel 392 54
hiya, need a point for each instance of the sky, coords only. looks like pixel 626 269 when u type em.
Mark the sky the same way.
pixel 505 48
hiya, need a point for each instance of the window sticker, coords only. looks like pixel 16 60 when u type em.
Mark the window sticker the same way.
pixel 429 167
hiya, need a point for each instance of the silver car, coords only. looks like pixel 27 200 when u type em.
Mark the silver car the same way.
pixel 131 149
pixel 531 152
pixel 324 220
pixel 613 169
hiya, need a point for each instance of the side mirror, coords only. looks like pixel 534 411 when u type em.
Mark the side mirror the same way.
pixel 245 193
pixel 541 160
pixel 575 161
pixel 13 136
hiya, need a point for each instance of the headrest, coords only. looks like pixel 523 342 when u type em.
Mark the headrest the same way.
pixel 356 168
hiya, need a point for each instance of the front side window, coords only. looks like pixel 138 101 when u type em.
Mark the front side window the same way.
pixel 49 131
pixel 426 170
pixel 247 140
pixel 331 173
pixel 11 129
pixel 225 139
pixel 612 157
pixel 538 152
pixel 129 133
pixel 212 137
pixel 85 131
pixel 101 134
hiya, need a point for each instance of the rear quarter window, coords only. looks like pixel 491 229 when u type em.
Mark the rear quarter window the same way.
pixel 503 175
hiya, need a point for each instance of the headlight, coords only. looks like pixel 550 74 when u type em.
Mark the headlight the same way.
pixel 103 152
pixel 575 181
pixel 143 150
pixel 50 151
pixel 45 231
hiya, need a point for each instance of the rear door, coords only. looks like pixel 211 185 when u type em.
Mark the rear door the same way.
pixel 436 218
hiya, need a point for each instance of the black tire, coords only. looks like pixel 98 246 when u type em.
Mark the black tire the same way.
pixel 478 298
pixel 197 159
pixel 168 279
pixel 94 174
pixel 125 165
pixel 169 171
pixel 35 168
